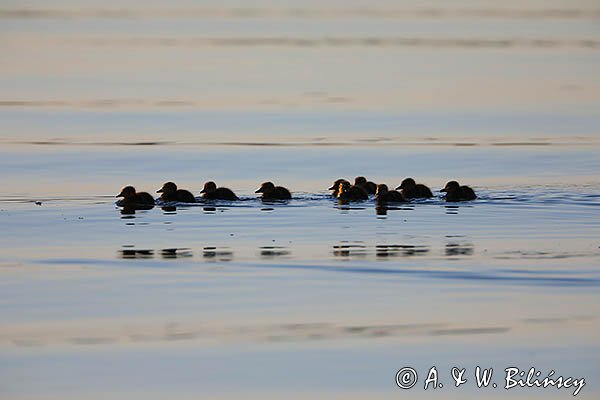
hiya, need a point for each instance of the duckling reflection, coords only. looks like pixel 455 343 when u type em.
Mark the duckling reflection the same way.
pixel 381 209
pixel 212 253
pixel 133 199
pixel 346 193
pixel 271 192
pixel 212 192
pixel 176 253
pixel 335 188
pixel 459 249
pixel 384 195
pixel 170 192
pixel 348 250
pixel 455 192
pixel 405 250
pixel 131 253
pixel 269 252
pixel 412 190
pixel 368 186
pixel 127 212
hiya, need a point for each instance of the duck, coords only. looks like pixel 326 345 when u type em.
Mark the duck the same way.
pixel 412 190
pixel 336 186
pixel 384 195
pixel 347 192
pixel 455 192
pixel 133 198
pixel 171 193
pixel 370 187
pixel 212 192
pixel 271 192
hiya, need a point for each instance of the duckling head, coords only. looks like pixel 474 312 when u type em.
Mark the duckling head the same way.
pixel 343 188
pixel 451 186
pixel 336 184
pixel 408 183
pixel 209 186
pixel 127 192
pixel 265 186
pixel 168 188
pixel 360 181
pixel 381 189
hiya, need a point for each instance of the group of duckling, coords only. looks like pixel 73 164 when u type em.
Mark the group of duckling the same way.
pixel 408 190
pixel 341 189
pixel 171 193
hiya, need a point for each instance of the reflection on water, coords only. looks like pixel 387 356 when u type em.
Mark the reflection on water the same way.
pixel 388 250
pixel 380 251
pixel 129 254
pixel 176 253
pixel 129 211
pixel 347 250
pixel 381 209
pixel 459 249
pixel 221 254
pixel 271 252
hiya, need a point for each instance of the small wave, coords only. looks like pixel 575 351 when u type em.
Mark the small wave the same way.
pixel 301 13
pixel 375 41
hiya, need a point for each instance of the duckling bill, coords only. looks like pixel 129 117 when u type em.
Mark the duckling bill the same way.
pixel 412 190
pixel 455 192
pixel 131 198
pixel 170 192
pixel 271 192
pixel 212 192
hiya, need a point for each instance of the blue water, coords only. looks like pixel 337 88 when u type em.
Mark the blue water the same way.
pixel 310 298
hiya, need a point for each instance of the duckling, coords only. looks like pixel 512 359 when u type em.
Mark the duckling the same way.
pixel 171 193
pixel 456 192
pixel 384 195
pixel 412 190
pixel 133 198
pixel 347 192
pixel 212 192
pixel 336 186
pixel 370 187
pixel 271 192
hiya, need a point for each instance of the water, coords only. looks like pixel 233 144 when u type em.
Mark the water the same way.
pixel 309 298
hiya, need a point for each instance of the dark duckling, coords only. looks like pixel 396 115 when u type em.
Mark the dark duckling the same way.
pixel 412 190
pixel 212 192
pixel 133 198
pixel 347 192
pixel 171 193
pixel 384 195
pixel 370 187
pixel 271 192
pixel 335 188
pixel 456 192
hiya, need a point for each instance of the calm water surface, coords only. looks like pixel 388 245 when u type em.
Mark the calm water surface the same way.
pixel 309 298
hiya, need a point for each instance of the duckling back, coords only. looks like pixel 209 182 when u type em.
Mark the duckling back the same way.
pixel 184 196
pixel 272 192
pixel 221 193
